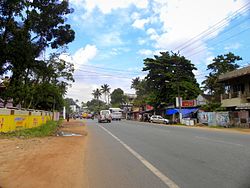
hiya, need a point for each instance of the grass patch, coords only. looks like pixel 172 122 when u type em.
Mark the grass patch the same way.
pixel 215 126
pixel 47 129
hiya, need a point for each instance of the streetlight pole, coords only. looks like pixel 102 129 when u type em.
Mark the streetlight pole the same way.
pixel 179 102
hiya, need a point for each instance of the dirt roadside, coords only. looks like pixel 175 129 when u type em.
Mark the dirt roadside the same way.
pixel 44 162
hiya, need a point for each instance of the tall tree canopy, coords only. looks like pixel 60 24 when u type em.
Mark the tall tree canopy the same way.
pixel 141 89
pixel 105 89
pixel 168 74
pixel 97 93
pixel 27 28
pixel 118 98
pixel 221 64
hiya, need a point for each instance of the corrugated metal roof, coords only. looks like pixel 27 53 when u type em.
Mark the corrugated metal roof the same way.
pixel 234 74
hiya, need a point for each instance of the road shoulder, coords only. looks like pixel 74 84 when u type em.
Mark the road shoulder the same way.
pixel 44 162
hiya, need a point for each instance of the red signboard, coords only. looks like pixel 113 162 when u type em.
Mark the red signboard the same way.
pixel 148 107
pixel 188 103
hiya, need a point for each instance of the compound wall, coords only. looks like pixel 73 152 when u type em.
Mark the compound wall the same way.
pixel 11 120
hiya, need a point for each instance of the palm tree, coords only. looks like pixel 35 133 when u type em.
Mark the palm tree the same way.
pixel 105 89
pixel 97 93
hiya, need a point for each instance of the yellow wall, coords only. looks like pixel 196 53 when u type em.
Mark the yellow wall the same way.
pixel 11 120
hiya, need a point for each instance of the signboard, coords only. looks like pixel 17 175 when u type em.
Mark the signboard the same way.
pixel 188 103
pixel 148 107
pixel 185 103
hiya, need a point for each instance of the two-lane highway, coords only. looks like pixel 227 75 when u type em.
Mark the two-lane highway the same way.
pixel 134 154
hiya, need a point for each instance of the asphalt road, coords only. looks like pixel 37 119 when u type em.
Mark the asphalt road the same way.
pixel 133 154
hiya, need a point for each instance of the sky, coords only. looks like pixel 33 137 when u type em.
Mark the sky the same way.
pixel 113 37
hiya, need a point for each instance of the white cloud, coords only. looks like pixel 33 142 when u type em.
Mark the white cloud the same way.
pixel 77 90
pixel 108 5
pixel 142 41
pixel 146 52
pixel 183 19
pixel 81 56
pixel 209 60
pixel 109 39
pixel 139 23
pixel 234 46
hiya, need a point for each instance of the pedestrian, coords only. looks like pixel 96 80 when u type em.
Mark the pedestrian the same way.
pixel 67 116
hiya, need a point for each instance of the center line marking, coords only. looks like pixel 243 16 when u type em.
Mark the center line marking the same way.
pixel 170 183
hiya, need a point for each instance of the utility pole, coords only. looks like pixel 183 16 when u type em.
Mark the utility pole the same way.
pixel 179 103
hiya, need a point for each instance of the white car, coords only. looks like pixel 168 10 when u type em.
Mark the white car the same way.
pixel 158 119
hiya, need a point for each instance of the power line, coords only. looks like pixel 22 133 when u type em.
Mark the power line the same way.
pixel 211 29
pixel 224 32
pixel 116 70
pixel 219 42
pixel 106 74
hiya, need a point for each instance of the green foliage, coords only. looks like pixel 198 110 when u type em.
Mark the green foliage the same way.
pixel 118 98
pixel 96 105
pixel 105 89
pixel 97 93
pixel 141 89
pixel 220 65
pixel 212 107
pixel 167 74
pixel 47 129
pixel 27 28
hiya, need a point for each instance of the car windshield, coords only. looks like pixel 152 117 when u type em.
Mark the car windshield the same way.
pixel 104 112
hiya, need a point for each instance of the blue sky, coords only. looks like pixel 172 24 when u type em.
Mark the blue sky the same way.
pixel 114 36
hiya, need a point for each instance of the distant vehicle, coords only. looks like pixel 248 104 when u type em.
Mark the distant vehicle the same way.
pixel 158 119
pixel 104 116
pixel 85 115
pixel 90 116
pixel 116 113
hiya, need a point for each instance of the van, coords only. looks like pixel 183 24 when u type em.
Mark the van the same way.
pixel 104 116
pixel 116 113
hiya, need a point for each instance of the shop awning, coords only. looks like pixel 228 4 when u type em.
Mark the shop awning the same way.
pixel 185 111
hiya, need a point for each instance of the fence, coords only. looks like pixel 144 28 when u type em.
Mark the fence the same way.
pixel 214 118
pixel 11 120
pixel 225 119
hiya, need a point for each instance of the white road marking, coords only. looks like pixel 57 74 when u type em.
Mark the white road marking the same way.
pixel 170 183
pixel 218 141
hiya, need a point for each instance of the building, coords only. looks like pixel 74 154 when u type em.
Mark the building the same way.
pixel 203 99
pixel 236 94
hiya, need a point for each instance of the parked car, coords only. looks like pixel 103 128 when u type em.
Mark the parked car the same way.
pixel 104 116
pixel 158 119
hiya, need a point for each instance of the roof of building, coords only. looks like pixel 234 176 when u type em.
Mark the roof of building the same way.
pixel 234 74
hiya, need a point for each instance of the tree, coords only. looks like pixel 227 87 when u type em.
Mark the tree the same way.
pixel 141 89
pixel 105 89
pixel 118 98
pixel 46 84
pixel 221 64
pixel 27 29
pixel 168 74
pixel 96 105
pixel 97 94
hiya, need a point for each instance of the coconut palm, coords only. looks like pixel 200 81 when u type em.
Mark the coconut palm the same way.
pixel 105 89
pixel 97 94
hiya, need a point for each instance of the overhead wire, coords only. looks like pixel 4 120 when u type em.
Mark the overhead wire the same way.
pixel 224 32
pixel 213 28
pixel 220 42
